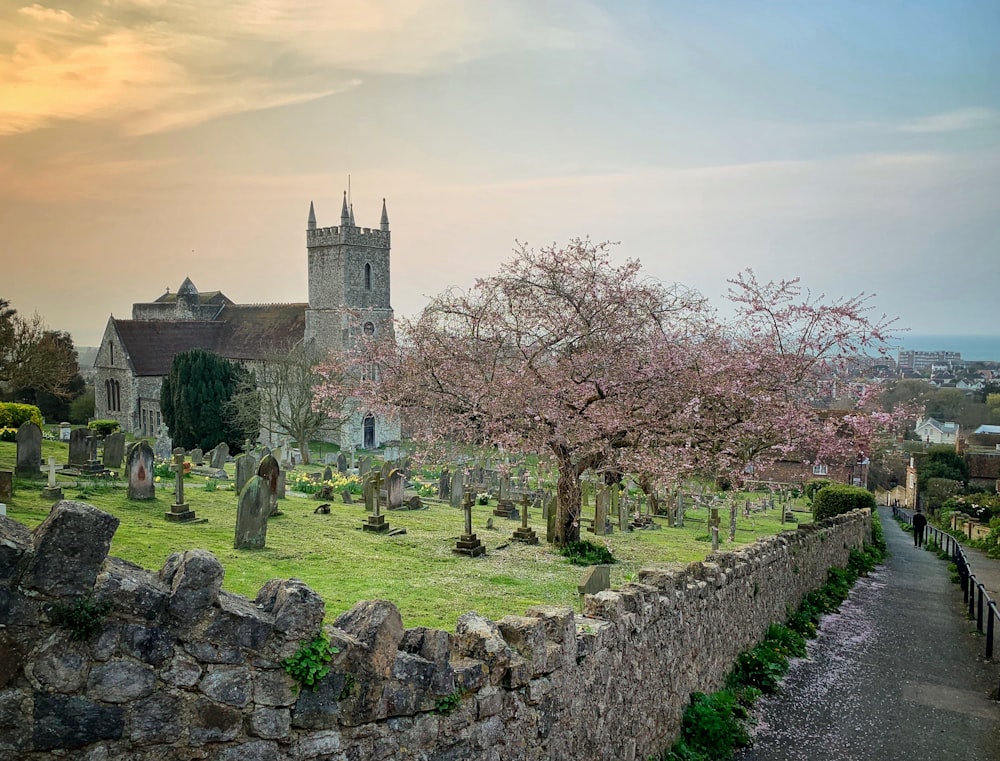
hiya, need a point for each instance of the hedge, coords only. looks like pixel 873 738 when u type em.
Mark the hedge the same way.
pixel 840 498
pixel 12 415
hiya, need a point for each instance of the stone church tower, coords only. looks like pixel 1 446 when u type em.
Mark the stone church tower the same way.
pixel 349 273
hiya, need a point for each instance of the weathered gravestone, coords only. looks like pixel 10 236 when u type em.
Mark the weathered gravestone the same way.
pixel 444 484
pixel 140 472
pixel 601 504
pixel 468 543
pixel 550 519
pixel 505 506
pixel 246 468
pixel 163 446
pixel 219 455
pixel 51 491
pixel 197 456
pixel 280 489
pixel 114 450
pixel 524 533
pixel 364 465
pixel 595 579
pixel 29 450
pixel 269 470
pixel 457 487
pixel 6 486
pixel 328 473
pixel 341 463
pixel 375 522
pixel 394 489
pixel 180 511
pixel 251 515
pixel 79 447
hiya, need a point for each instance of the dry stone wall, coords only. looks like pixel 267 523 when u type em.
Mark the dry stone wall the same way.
pixel 179 669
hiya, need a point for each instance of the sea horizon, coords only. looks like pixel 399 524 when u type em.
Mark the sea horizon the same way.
pixel 973 348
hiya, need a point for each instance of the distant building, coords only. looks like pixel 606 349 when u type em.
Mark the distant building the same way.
pixel 935 432
pixel 348 271
pixel 921 361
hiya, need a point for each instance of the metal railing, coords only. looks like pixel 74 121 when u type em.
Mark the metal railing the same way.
pixel 974 594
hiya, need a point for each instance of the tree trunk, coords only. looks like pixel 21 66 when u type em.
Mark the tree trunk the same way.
pixel 649 489
pixel 304 451
pixel 568 499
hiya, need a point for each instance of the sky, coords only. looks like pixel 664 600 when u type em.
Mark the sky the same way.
pixel 854 145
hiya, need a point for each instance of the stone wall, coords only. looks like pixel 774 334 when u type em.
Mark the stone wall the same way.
pixel 180 670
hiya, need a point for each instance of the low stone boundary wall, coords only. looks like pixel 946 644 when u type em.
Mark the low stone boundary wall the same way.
pixel 179 669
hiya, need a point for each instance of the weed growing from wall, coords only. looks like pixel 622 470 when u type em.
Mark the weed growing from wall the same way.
pixel 312 661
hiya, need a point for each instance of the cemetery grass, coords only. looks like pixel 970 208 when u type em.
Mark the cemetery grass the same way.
pixel 431 585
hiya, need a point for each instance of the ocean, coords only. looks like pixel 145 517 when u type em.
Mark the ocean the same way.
pixel 972 348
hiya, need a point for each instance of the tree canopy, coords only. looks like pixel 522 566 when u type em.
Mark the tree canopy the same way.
pixel 193 396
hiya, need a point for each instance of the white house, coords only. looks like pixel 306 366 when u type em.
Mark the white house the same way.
pixel 935 432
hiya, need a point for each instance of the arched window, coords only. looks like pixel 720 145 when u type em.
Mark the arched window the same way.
pixel 111 349
pixel 368 277
pixel 369 432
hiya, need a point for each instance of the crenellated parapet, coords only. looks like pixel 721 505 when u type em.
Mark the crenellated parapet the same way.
pixel 347 235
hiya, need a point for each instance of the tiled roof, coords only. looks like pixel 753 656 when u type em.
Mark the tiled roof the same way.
pixel 241 331
pixel 208 297
pixel 983 465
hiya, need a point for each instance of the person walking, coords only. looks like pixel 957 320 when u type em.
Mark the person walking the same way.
pixel 919 524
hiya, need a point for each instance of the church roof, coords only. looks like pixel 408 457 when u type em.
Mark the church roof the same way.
pixel 208 297
pixel 241 332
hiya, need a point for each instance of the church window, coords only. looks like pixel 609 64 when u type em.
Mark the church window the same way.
pixel 368 436
pixel 368 277
pixel 113 392
pixel 111 349
pixel 369 328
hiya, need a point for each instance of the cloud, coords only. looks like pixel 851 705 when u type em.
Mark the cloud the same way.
pixel 156 65
pixel 954 121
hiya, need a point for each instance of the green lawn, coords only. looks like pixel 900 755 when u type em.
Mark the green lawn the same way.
pixel 417 571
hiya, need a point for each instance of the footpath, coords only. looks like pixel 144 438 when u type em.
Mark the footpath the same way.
pixel 896 675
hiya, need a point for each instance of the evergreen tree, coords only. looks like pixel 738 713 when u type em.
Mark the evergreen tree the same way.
pixel 193 396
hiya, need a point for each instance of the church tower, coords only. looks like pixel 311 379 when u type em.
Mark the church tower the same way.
pixel 349 272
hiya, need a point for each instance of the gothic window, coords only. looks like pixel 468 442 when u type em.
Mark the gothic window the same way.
pixel 113 392
pixel 368 277
pixel 107 395
pixel 111 349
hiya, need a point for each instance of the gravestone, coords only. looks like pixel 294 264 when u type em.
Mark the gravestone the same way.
pixel 251 515
pixel 457 487
pixel 163 446
pixel 505 506
pixel 524 533
pixel 376 522
pixel 623 512
pixel 346 496
pixel 601 503
pixel 246 468
pixel 394 489
pixel 595 579
pixel 79 447
pixel 550 520
pixel 732 522
pixel 269 470
pixel 51 491
pixel 6 486
pixel 364 466
pixel 114 450
pixel 328 473
pixel 197 456
pixel 341 463
pixel 180 511
pixel 468 543
pixel 282 478
pixel 369 491
pixel 29 450
pixel 65 429
pixel 140 472
pixel 444 484
pixel 219 455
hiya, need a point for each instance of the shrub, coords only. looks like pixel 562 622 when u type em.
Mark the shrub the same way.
pixel 712 726
pixel 103 427
pixel 312 661
pixel 12 415
pixel 8 434
pixel 814 485
pixel 836 499
pixel 587 553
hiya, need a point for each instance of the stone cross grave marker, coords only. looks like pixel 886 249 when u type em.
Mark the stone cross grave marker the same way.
pixel 505 507
pixel 595 579
pixel 51 491
pixel 468 543
pixel 268 470
pixel 29 450
pixel 139 467
pixel 219 455
pixel 376 522
pixel 114 450
pixel 180 511
pixel 524 533
pixel 251 515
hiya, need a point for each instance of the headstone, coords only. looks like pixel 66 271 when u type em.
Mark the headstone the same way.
pixel 679 515
pixel 346 496
pixel 457 487
pixel 6 486
pixel 251 515
pixel 468 543
pixel 219 455
pixel 282 478
pixel 394 489
pixel 444 484
pixel 114 450
pixel 197 456
pixel 732 522
pixel 65 429
pixel 79 447
pixel 163 445
pixel 505 506
pixel 524 533
pixel 51 491
pixel 140 472
pixel 623 512
pixel 29 450
pixel 246 468
pixel 550 521
pixel 595 579
pixel 328 473
pixel 269 470
pixel 415 503
pixel 364 466
pixel 180 511
pixel 374 523
pixel 369 491
pixel 341 463
pixel 601 503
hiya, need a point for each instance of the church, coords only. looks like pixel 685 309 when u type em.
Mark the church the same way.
pixel 348 272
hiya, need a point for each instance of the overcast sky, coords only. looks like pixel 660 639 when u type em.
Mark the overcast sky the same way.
pixel 853 144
